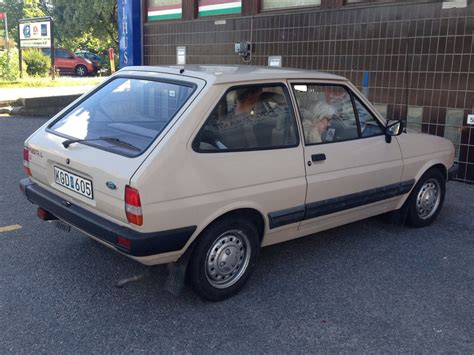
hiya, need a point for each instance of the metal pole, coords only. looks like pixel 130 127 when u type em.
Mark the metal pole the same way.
pixel 20 57
pixel 53 73
pixel 6 33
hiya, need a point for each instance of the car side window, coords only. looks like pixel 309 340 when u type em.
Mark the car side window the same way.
pixel 60 53
pixel 327 114
pixel 249 118
pixel 369 125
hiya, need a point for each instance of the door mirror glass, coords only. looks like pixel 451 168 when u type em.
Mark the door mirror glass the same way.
pixel 394 129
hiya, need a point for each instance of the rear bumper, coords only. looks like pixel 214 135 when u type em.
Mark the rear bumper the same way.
pixel 141 244
pixel 453 171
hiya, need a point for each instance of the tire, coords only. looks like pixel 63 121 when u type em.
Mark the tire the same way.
pixel 224 258
pixel 426 199
pixel 81 70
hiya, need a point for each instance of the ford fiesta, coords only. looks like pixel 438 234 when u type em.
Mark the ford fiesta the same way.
pixel 201 166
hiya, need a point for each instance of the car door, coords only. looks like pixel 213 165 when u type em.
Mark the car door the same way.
pixel 64 60
pixel 59 60
pixel 352 172
pixel 248 154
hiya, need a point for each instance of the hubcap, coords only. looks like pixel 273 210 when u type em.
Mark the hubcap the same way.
pixel 428 199
pixel 227 259
pixel 80 71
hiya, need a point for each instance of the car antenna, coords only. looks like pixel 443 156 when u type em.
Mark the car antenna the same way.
pixel 181 71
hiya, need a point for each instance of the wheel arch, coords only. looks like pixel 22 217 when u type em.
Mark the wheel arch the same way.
pixel 431 165
pixel 252 213
pixel 434 165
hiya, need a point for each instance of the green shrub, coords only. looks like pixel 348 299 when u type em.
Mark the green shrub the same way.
pixel 37 63
pixel 9 65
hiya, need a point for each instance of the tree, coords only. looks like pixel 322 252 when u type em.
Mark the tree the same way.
pixel 97 19
pixel 18 9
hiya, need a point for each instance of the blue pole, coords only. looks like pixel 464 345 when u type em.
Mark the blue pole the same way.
pixel 365 84
pixel 129 27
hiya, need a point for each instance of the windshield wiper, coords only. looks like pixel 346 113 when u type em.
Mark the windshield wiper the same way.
pixel 117 141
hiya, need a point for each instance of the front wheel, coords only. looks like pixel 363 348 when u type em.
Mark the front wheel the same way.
pixel 81 70
pixel 224 258
pixel 426 199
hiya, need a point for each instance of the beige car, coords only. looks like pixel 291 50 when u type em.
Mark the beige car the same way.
pixel 201 166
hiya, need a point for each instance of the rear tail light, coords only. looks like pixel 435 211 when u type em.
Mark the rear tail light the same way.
pixel 45 215
pixel 133 206
pixel 26 161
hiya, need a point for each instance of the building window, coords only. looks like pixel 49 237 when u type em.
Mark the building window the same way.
pixel 219 7
pixel 382 109
pixel 367 1
pixel 164 10
pixel 452 128
pixel 414 118
pixel 277 4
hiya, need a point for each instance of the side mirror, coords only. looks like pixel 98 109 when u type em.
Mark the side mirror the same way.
pixel 393 129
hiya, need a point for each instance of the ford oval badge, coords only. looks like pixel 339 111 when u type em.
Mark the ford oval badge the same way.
pixel 111 185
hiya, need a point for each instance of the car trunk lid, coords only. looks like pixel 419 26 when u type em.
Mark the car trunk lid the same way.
pixel 82 174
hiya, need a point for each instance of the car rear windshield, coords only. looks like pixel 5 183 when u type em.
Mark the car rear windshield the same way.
pixel 130 113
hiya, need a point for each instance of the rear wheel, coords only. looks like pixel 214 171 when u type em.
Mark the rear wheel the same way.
pixel 81 70
pixel 426 199
pixel 224 258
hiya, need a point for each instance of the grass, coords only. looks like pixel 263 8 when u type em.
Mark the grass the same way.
pixel 48 82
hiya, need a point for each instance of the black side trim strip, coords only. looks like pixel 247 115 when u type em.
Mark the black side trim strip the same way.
pixel 286 216
pixel 322 208
pixel 337 204
pixel 141 244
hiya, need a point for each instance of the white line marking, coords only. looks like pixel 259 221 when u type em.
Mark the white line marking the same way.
pixel 10 228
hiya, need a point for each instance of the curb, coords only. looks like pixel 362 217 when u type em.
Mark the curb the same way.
pixel 6 103
pixel 38 106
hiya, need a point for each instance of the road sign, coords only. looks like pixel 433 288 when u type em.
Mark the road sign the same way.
pixel 35 34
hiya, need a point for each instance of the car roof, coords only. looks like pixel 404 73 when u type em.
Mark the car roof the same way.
pixel 219 74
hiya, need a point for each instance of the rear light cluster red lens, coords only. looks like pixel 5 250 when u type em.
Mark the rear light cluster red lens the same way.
pixel 26 161
pixel 124 242
pixel 133 206
pixel 44 215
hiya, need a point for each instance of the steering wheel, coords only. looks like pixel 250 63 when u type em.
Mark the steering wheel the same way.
pixel 208 136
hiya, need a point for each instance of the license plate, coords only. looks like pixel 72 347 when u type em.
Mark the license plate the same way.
pixel 73 182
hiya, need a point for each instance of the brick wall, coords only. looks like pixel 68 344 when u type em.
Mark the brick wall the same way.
pixel 419 57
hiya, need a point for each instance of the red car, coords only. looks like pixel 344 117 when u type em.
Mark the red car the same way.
pixel 68 62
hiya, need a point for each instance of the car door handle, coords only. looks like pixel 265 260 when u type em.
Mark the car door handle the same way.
pixel 318 157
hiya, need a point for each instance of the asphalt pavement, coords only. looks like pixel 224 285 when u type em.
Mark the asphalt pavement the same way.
pixel 369 286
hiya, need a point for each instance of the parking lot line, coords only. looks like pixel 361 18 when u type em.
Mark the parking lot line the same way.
pixel 10 228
